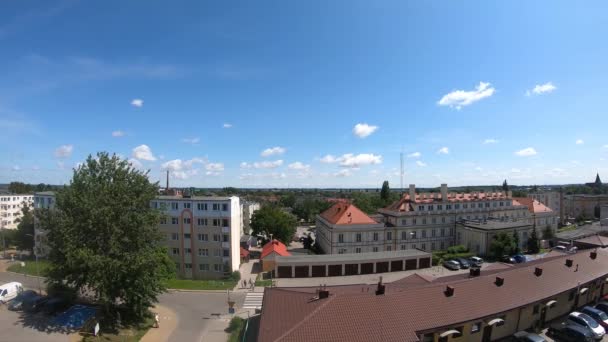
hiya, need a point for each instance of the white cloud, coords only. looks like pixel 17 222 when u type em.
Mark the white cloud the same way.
pixel 181 165
pixel 414 155
pixel 118 134
pixel 143 152
pixel 526 152
pixel 443 150
pixel 277 150
pixel 137 103
pixel 227 125
pixel 298 166
pixel 460 98
pixel 421 164
pixel 541 89
pixel 514 170
pixel 479 168
pixel 213 173
pixel 192 141
pixel 490 141
pixel 605 146
pixel 355 161
pixel 64 151
pixel 35 167
pixel 135 163
pixel 343 173
pixel 214 167
pixel 262 165
pixel 328 159
pixel 580 142
pixel 184 174
pixel 60 165
pixel 363 130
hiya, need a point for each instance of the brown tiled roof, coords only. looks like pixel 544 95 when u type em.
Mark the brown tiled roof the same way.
pixel 404 312
pixel 597 240
pixel 346 213
pixel 405 202
pixel 533 205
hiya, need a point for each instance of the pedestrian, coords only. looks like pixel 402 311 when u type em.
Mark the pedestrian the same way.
pixel 156 321
pixel 250 283
pixel 244 283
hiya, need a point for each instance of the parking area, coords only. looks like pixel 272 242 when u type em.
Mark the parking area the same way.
pixel 17 326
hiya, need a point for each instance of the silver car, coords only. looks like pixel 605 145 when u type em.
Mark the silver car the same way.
pixel 452 265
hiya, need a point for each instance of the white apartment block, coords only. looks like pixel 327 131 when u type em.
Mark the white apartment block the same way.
pixel 425 221
pixel 10 209
pixel 247 210
pixel 42 200
pixel 202 234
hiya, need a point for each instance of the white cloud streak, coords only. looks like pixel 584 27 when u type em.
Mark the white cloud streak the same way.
pixel 273 151
pixel 137 103
pixel 490 141
pixel 526 152
pixel 443 150
pixel 460 98
pixel 414 155
pixel 363 130
pixel 118 134
pixel 298 166
pixel 420 163
pixel 580 142
pixel 143 152
pixel 192 141
pixel 64 151
pixel 540 89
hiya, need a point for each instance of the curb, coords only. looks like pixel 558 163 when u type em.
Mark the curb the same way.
pixel 25 275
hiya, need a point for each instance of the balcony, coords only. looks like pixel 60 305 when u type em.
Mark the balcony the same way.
pixel 226 245
pixel 225 229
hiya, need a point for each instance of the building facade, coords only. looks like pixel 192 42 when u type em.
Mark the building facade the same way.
pixel 552 199
pixel 584 206
pixel 478 235
pixel 247 209
pixel 202 234
pixel 10 209
pixel 604 215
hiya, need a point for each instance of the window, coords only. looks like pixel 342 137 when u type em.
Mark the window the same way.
pixel 226 238
pixel 502 204
pixel 475 327
pixel 535 309
pixel 457 206
pixel 448 207
pixel 420 208
pixel 404 222
pixel 224 222
pixel 389 248
pixel 424 234
pixel 202 206
pixel 173 205
pixel 432 246
pixel 174 236
pixel 216 222
pixel 571 296
pixel 375 249
pixel 433 233
pixel 442 245
pixel 203 252
pixel 375 236
pixel 216 268
pixel 216 237
pixel 187 205
pixel 175 251
pixel 465 206
pixel 341 250
pixel 439 207
pixel 187 220
pixel 413 234
pixel 424 221
pixel 442 232
pixel 188 266
pixel 226 252
pixel 201 221
pixel 430 208
pixel 403 235
pixel 203 237
pixel 413 246
pixel 358 237
pixel 217 252
pixel 163 220
pixel 434 220
pixel 216 206
pixel 423 246
pixel 187 251
pixel 358 250
pixel 402 247
pixel 203 267
pixel 340 238
pixel 153 204
pixel 389 236
pixel 174 220
pixel 414 221
pixel 494 204
pixel 186 235
pixel 224 206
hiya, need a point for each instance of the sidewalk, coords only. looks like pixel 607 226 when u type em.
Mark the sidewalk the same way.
pixel 246 275
pixel 168 323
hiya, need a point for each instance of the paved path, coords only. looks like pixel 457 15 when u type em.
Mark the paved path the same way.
pixel 168 323
pixel 247 275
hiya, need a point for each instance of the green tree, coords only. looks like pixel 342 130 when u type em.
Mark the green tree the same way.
pixel 309 208
pixel 19 188
pixel 533 243
pixel 548 233
pixel 272 220
pixel 24 238
pixel 505 186
pixel 502 244
pixel 288 201
pixel 103 237
pixel 385 193
pixel 515 249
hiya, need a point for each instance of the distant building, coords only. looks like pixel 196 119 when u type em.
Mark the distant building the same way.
pixel 248 208
pixel 478 235
pixel 270 251
pixel 597 184
pixel 11 206
pixel 552 199
pixel 584 206
pixel 542 216
pixel 604 215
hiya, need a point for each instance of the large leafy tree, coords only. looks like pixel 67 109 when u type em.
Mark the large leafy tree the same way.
pixel 24 237
pixel 104 237
pixel 272 220
pixel 502 244
pixel 385 193
pixel 19 188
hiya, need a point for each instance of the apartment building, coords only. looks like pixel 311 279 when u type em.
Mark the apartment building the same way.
pixel 202 233
pixel 10 209
pixel 552 199
pixel 247 210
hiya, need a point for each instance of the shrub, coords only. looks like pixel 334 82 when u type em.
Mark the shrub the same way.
pixel 235 276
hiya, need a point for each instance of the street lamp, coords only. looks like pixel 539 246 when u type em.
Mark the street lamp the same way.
pixel 36 255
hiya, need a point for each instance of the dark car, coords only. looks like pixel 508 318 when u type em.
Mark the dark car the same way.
pixel 17 303
pixel 519 258
pixel 570 333
pixel 55 305
pixel 598 315
pixel 508 260
pixel 524 336
pixel 603 306
pixel 34 303
pixel 464 263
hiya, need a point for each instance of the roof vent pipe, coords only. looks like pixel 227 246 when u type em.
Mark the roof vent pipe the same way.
pixel 499 281
pixel 568 262
pixel 449 291
pixel 538 271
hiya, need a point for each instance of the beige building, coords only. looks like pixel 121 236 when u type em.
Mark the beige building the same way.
pixel 247 210
pixel 477 235
pixel 10 209
pixel 554 200
pixel 585 206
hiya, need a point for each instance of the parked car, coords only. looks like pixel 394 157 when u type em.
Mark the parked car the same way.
pixel 17 303
pixel 579 318
pixel 9 291
pixel 475 261
pixel 55 305
pixel 34 303
pixel 524 336
pixel 508 259
pixel 598 315
pixel 464 263
pixel 570 333
pixel 519 258
pixel 451 265
pixel 603 306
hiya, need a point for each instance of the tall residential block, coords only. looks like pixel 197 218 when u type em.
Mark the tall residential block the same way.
pixel 10 209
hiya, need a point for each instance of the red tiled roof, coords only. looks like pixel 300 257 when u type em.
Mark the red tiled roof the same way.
pixel 403 313
pixel 405 203
pixel 274 246
pixel 533 205
pixel 346 213
pixel 244 252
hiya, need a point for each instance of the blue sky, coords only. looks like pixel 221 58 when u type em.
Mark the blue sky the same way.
pixel 306 94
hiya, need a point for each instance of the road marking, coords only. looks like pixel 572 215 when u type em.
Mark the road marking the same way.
pixel 253 300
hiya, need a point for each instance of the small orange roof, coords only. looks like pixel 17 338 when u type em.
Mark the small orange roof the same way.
pixel 533 205
pixel 274 246
pixel 346 213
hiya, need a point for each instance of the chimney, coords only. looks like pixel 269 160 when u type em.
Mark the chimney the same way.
pixel 509 194
pixel 499 281
pixel 381 288
pixel 593 255
pixel 538 271
pixel 449 291
pixel 569 262
pixel 412 192
pixel 444 192
pixel 323 294
pixel 474 272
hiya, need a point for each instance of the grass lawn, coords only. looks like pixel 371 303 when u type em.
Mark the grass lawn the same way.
pixel 125 334
pixel 30 267
pixel 262 282
pixel 189 284
pixel 567 228
pixel 234 328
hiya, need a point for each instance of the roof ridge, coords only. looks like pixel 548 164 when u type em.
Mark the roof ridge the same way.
pixel 306 318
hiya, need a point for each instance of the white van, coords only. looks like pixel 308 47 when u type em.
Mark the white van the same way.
pixel 9 291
